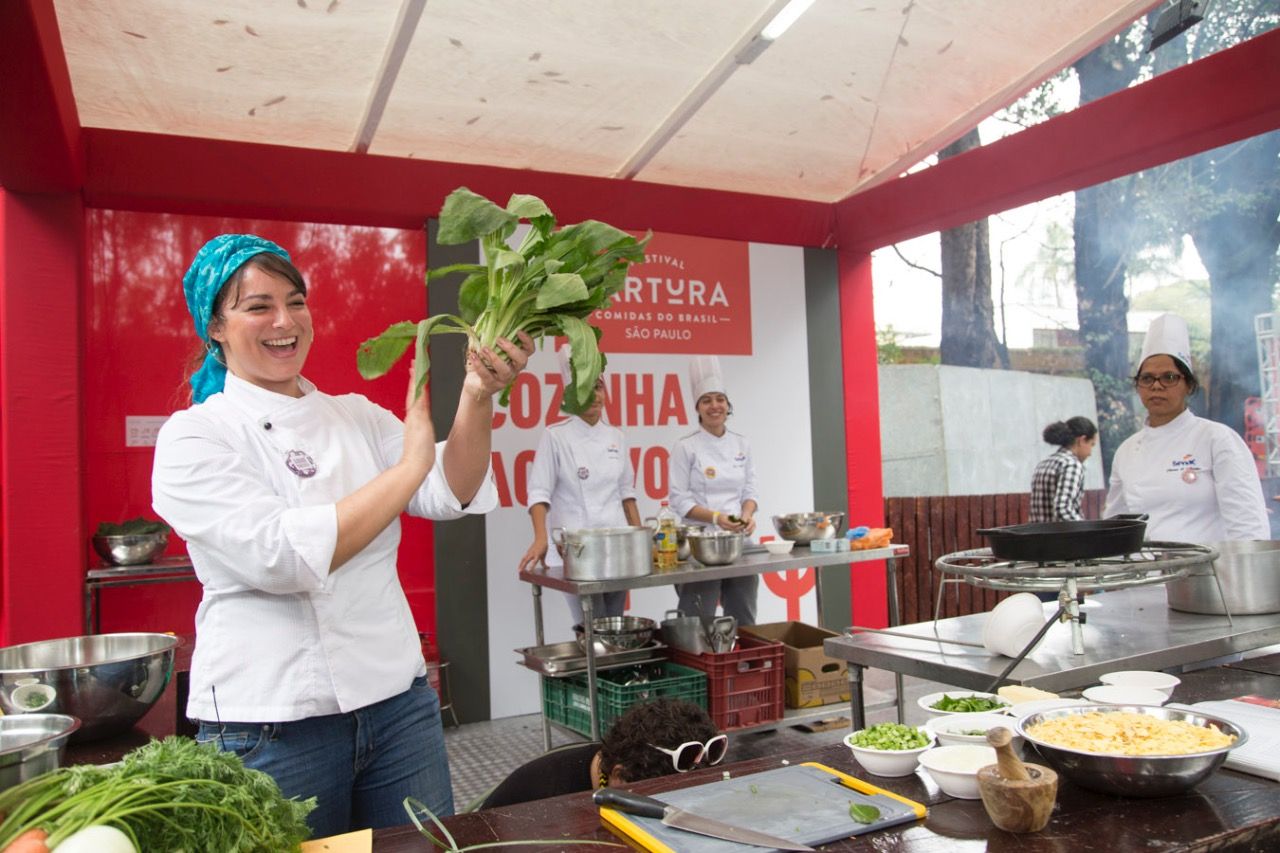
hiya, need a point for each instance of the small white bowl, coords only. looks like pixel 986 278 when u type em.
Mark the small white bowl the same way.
pixel 1110 694
pixel 779 546
pixel 30 698
pixel 1035 706
pixel 927 702
pixel 886 762
pixel 1146 679
pixel 1012 624
pixel 955 768
pixel 949 729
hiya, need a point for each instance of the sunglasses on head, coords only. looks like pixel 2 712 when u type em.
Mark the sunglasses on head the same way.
pixel 688 755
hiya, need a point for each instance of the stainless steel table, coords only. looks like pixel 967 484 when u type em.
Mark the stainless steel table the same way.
pixel 163 570
pixel 754 563
pixel 1124 629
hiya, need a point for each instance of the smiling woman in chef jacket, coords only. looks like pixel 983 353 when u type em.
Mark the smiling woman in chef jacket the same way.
pixel 1195 478
pixel 581 478
pixel 307 662
pixel 713 483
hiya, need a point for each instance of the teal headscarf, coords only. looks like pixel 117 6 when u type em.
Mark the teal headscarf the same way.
pixel 216 262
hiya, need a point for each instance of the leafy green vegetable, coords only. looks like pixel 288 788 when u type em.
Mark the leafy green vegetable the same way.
pixel 754 789
pixel 133 527
pixel 890 736
pixel 550 285
pixel 863 813
pixel 173 794
pixel 967 704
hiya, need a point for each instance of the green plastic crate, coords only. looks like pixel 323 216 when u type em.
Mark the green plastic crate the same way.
pixel 566 700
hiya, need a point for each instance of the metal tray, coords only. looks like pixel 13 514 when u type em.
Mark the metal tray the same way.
pixel 560 659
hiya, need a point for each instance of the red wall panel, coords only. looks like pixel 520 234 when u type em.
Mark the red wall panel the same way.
pixel 139 343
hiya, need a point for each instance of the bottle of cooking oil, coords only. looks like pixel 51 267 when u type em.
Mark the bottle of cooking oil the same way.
pixel 666 545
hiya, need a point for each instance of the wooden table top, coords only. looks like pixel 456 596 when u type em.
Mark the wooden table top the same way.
pixel 1227 811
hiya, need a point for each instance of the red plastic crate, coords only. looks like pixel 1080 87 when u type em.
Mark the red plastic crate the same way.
pixel 744 687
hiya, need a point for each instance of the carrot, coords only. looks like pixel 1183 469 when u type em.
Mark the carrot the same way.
pixel 31 841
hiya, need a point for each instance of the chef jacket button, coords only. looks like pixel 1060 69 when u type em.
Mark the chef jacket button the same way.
pixel 266 424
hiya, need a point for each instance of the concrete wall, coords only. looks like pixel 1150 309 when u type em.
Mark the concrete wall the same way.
pixel 966 431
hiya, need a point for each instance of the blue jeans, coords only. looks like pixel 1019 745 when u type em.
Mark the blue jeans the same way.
pixel 360 766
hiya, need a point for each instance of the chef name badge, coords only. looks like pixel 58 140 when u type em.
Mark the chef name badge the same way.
pixel 709 472
pixel 584 472
pixel 1189 470
pixel 300 463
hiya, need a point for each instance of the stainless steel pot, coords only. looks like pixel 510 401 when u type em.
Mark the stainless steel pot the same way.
pixel 1250 576
pixel 684 632
pixel 605 553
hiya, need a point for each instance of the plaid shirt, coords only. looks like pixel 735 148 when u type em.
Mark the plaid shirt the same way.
pixel 1056 488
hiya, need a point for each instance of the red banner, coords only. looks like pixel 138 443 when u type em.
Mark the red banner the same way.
pixel 690 295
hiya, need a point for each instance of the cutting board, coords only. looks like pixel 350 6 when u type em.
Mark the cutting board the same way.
pixel 808 803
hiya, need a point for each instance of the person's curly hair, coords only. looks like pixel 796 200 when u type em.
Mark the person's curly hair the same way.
pixel 662 722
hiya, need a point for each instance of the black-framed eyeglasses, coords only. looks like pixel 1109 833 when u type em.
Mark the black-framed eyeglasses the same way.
pixel 1166 380
pixel 688 755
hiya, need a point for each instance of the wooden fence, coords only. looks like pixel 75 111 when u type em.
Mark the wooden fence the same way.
pixel 937 525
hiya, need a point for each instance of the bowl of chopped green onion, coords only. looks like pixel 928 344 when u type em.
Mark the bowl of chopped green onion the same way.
pixel 962 702
pixel 889 749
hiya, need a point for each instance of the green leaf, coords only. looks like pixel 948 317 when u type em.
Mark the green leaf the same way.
pixel 376 355
pixel 467 216
pixel 527 206
pixel 441 272
pixel 421 359
pixel 473 295
pixel 863 813
pixel 561 289
pixel 585 362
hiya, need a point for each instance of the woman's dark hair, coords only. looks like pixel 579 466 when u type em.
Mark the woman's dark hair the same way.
pixel 662 722
pixel 1065 433
pixel 1193 384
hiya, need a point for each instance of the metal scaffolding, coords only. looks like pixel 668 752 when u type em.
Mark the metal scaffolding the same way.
pixel 1267 331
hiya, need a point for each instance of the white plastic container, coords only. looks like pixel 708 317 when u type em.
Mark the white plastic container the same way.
pixel 955 768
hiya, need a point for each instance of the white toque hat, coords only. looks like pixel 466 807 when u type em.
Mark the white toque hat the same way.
pixel 705 376
pixel 1167 335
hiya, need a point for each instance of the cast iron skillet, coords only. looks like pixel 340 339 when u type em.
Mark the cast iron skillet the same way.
pixel 1067 540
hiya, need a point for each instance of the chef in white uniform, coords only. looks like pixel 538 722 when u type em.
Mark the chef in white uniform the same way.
pixel 307 662
pixel 1195 478
pixel 581 478
pixel 713 483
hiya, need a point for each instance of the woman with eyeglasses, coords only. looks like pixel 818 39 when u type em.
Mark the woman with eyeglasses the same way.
pixel 655 739
pixel 1194 478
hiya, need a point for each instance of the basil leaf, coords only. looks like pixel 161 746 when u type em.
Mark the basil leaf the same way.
pixel 863 813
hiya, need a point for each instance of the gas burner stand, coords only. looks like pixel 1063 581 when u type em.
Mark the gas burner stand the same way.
pixel 1156 563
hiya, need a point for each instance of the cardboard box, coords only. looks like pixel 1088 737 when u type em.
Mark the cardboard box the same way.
pixel 812 678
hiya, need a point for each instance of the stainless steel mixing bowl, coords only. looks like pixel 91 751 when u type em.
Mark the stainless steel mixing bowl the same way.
pixel 131 549
pixel 804 527
pixel 107 680
pixel 618 633
pixel 715 547
pixel 31 744
pixel 1133 775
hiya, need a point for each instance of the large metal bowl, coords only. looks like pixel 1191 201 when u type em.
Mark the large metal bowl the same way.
pixel 107 680
pixel 618 633
pixel 1133 775
pixel 31 744
pixel 715 547
pixel 133 549
pixel 804 527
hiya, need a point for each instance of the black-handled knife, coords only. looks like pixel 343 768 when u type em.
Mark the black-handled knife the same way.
pixel 642 806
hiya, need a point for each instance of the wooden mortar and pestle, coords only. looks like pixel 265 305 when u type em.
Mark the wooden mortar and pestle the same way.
pixel 1018 797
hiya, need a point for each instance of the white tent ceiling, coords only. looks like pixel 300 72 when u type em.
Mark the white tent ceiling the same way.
pixel 855 92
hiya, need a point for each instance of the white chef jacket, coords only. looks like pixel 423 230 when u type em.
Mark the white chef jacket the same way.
pixel 584 473
pixel 714 471
pixel 278 635
pixel 1196 479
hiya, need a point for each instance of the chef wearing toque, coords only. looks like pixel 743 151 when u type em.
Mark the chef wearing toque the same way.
pixel 713 483
pixel 1195 478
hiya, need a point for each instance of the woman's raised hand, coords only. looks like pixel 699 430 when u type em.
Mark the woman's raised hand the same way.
pixel 488 372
